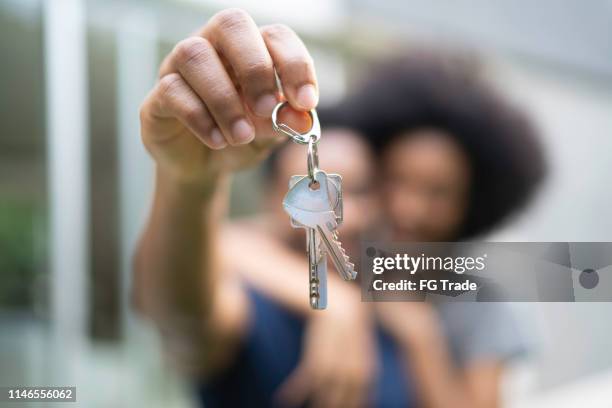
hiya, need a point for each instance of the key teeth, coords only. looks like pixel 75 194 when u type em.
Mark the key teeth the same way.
pixel 350 266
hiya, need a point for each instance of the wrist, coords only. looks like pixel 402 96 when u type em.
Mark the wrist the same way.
pixel 197 189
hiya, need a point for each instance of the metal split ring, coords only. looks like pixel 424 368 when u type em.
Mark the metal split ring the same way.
pixel 313 158
pixel 301 138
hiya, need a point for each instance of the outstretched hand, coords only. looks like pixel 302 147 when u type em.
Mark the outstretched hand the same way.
pixel 210 110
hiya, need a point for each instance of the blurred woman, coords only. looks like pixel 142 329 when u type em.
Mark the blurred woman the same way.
pixel 456 160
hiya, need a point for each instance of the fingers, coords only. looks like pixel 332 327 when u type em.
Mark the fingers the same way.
pixel 226 75
pixel 234 33
pixel 175 98
pixel 293 65
pixel 253 54
pixel 198 62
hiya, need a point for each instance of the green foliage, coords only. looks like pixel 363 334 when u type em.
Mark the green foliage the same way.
pixel 22 247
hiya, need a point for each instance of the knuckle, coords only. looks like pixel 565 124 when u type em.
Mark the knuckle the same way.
pixel 191 114
pixel 255 70
pixel 231 18
pixel 223 100
pixel 193 49
pixel 165 65
pixel 168 86
pixel 196 116
pixel 276 31
pixel 143 114
pixel 225 109
pixel 144 111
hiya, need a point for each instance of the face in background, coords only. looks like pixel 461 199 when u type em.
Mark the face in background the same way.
pixel 344 152
pixel 426 179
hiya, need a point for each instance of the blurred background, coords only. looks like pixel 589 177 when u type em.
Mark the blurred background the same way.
pixel 75 181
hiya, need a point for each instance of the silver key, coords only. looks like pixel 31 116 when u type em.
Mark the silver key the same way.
pixel 317 271
pixel 317 259
pixel 312 208
pixel 334 187
pixel 320 239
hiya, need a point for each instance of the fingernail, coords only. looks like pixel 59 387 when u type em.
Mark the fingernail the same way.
pixel 242 132
pixel 217 140
pixel 265 105
pixel 307 96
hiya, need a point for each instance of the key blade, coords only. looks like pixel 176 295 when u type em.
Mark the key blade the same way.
pixel 318 284
pixel 317 274
pixel 345 268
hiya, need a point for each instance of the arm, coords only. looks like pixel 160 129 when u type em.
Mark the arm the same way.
pixel 282 273
pixel 439 382
pixel 174 281
pixel 199 128
pixel 338 361
pixel 443 385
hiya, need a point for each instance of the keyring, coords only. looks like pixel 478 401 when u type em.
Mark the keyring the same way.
pixel 313 158
pixel 301 138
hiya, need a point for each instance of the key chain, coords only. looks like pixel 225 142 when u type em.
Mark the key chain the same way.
pixel 310 138
pixel 314 202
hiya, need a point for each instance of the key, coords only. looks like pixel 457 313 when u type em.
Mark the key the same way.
pixel 320 227
pixel 313 208
pixel 317 261
pixel 335 195
pixel 317 258
pixel 317 273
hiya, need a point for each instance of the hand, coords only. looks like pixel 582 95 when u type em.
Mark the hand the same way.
pixel 412 324
pixel 210 111
pixel 338 360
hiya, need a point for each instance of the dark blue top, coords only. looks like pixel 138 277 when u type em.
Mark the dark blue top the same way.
pixel 272 349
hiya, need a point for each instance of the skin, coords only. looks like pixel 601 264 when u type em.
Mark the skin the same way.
pixel 437 163
pixel 424 197
pixel 323 376
pixel 203 120
pixel 426 184
pixel 208 116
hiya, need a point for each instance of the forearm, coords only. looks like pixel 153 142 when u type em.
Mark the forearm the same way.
pixel 278 271
pixel 173 281
pixel 443 385
pixel 434 374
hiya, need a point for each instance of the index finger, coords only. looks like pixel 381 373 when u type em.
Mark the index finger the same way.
pixel 294 66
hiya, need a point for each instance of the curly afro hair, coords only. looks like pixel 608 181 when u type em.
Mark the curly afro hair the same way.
pixel 424 89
